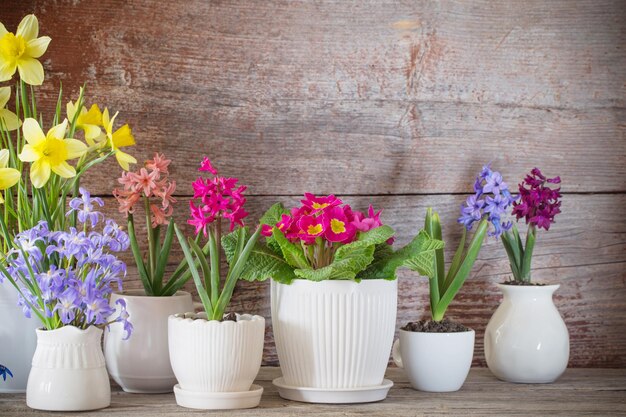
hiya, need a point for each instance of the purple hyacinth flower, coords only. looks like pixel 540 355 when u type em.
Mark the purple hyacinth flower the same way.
pixel 494 184
pixel 497 205
pixel 473 207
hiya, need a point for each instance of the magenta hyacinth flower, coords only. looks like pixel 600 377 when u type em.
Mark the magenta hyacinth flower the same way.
pixel 539 203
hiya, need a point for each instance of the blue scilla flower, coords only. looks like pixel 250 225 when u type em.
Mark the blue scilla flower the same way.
pixel 84 206
pixel 5 372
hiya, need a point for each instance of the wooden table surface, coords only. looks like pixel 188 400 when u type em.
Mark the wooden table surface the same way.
pixel 582 392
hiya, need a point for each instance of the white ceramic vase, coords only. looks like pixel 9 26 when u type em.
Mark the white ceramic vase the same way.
pixel 526 339
pixel 17 341
pixel 210 356
pixel 68 372
pixel 141 364
pixel 435 362
pixel 334 334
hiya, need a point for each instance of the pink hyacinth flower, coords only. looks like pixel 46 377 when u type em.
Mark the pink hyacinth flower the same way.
pixel 205 165
pixel 159 164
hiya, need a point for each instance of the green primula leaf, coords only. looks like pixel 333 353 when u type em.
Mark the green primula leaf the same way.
pixel 270 218
pixel 263 261
pixel 273 214
pixel 418 255
pixel 350 259
pixel 292 254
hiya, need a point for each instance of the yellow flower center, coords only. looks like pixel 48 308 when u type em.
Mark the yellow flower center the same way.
pixel 53 149
pixel 314 229
pixel 12 47
pixel 318 206
pixel 337 226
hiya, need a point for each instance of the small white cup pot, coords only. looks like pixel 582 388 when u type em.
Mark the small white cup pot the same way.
pixel 209 356
pixel 526 340
pixel 435 362
pixel 68 372
pixel 141 364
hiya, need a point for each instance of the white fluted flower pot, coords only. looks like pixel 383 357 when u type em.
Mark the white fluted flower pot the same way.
pixel 17 341
pixel 141 364
pixel 334 335
pixel 213 357
pixel 68 372
pixel 435 362
pixel 526 339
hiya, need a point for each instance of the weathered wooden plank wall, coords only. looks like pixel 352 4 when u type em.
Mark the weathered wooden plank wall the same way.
pixel 394 102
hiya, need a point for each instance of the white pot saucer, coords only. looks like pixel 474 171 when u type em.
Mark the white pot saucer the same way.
pixel 333 396
pixel 218 400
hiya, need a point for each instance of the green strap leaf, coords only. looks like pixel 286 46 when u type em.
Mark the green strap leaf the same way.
pixel 528 253
pixel 234 274
pixel 164 254
pixel 463 272
pixel 204 297
pixel 456 260
pixel 141 266
pixel 511 248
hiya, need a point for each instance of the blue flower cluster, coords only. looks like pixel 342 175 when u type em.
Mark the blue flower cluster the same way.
pixel 492 199
pixel 67 277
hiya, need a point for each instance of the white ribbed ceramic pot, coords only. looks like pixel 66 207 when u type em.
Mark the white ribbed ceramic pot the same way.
pixel 141 364
pixel 17 341
pixel 526 339
pixel 68 372
pixel 214 356
pixel 334 334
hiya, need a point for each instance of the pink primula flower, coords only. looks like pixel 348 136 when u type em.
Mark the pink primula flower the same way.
pixel 320 203
pixel 325 217
pixel 312 227
pixel 339 229
pixel 363 223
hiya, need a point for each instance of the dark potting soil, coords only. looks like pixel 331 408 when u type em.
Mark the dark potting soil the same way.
pixel 443 326
pixel 524 283
pixel 230 317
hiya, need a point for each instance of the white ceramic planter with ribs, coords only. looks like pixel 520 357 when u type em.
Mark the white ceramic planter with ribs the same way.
pixel 213 356
pixel 68 372
pixel 334 334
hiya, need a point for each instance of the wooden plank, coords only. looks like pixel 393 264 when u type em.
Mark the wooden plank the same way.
pixel 584 252
pixel 578 392
pixel 299 95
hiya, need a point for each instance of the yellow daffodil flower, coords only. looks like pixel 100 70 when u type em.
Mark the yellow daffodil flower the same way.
pixel 21 50
pixel 8 176
pixel 49 152
pixel 7 117
pixel 88 120
pixel 121 137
